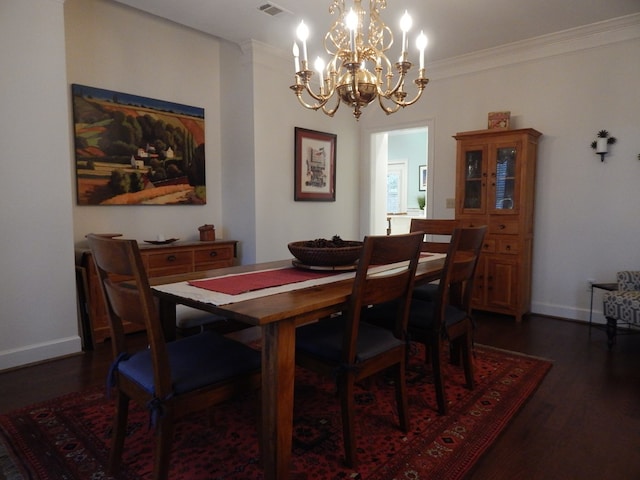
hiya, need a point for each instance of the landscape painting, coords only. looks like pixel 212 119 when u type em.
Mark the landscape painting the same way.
pixel 132 150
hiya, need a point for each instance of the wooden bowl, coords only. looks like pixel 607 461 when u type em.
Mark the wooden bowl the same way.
pixel 326 256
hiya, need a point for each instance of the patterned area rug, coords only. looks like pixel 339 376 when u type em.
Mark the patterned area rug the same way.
pixel 68 438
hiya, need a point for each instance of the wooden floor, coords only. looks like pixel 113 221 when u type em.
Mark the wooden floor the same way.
pixel 583 423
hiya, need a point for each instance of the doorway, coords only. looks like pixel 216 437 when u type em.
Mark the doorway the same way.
pixel 401 177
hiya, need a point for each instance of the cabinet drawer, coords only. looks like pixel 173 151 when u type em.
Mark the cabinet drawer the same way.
pixel 503 226
pixel 489 245
pixel 176 261
pixel 213 255
pixel 511 246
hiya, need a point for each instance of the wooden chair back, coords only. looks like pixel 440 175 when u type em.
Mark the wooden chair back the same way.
pixel 386 273
pixel 434 227
pixel 456 282
pixel 128 297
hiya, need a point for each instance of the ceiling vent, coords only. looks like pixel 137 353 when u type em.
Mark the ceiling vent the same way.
pixel 271 8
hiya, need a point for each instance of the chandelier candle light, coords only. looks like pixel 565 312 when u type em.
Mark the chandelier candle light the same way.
pixel 358 58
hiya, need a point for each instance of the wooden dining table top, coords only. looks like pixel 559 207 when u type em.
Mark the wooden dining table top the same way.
pixel 295 303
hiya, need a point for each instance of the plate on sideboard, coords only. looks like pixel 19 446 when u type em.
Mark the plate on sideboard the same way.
pixel 162 242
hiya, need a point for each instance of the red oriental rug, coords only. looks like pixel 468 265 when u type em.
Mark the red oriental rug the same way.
pixel 68 438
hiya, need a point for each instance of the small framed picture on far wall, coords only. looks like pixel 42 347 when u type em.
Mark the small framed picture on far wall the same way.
pixel 422 178
pixel 315 166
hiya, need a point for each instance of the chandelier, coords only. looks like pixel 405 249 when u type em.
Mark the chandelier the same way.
pixel 354 73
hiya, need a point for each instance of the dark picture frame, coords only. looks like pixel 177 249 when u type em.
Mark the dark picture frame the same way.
pixel 422 178
pixel 134 150
pixel 314 166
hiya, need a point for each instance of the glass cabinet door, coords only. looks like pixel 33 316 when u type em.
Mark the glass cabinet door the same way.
pixel 503 193
pixel 474 179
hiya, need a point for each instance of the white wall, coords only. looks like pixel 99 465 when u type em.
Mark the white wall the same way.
pixel 238 151
pixel 276 112
pixel 37 286
pixel 568 86
pixel 281 219
pixel 119 48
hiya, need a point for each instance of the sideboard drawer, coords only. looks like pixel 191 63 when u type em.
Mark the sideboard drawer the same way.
pixel 213 254
pixel 176 261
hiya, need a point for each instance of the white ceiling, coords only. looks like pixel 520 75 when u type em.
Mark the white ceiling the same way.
pixel 454 27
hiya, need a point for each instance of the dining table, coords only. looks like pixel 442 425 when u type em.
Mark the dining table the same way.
pixel 277 312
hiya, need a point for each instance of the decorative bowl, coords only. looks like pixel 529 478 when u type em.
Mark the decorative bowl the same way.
pixel 327 256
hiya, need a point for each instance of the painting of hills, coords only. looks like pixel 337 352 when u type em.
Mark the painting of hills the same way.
pixel 133 150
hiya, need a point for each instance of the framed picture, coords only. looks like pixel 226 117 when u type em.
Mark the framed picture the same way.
pixel 133 150
pixel 422 178
pixel 315 166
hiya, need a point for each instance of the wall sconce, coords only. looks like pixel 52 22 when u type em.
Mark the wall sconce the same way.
pixel 601 144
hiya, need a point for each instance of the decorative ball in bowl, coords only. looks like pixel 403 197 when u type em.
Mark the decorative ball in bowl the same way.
pixel 326 253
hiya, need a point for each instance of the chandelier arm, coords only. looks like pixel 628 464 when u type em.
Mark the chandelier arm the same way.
pixel 420 83
pixel 386 109
pixel 331 112
pixel 298 88
pixel 403 69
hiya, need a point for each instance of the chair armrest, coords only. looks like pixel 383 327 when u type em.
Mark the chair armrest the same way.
pixel 628 280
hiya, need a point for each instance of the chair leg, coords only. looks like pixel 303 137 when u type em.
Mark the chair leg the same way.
pixel 164 438
pixel 347 400
pixel 119 432
pixel 612 325
pixel 401 395
pixel 454 353
pixel 438 380
pixel 466 344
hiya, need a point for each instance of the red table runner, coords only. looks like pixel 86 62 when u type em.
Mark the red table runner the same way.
pixel 248 282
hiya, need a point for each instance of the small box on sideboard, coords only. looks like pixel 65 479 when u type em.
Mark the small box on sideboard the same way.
pixel 207 233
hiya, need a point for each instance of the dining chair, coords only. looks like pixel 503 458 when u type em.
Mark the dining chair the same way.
pixel 622 305
pixel 447 317
pixel 170 379
pixel 437 237
pixel 349 350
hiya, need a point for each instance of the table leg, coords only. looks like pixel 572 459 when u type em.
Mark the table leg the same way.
pixel 167 312
pixel 278 370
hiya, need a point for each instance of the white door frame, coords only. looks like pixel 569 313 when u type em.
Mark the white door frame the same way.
pixel 374 168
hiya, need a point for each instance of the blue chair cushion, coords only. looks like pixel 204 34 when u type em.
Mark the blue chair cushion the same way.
pixel 427 291
pixel 421 314
pixel 195 361
pixel 324 340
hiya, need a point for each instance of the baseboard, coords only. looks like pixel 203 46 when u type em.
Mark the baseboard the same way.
pixel 569 312
pixel 39 352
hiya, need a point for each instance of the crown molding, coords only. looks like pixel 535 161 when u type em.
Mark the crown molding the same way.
pixel 581 38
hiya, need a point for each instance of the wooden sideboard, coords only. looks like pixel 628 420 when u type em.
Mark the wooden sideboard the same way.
pixel 159 260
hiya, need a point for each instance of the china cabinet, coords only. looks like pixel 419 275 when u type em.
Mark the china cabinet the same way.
pixel 495 186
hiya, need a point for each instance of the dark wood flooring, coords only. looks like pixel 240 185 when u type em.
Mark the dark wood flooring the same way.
pixel 583 423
